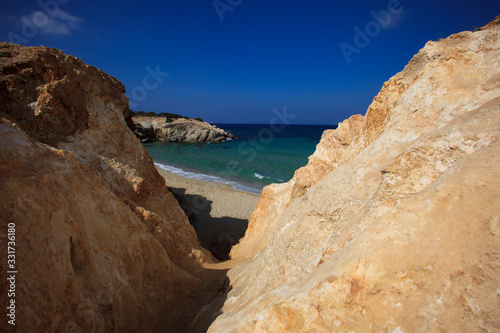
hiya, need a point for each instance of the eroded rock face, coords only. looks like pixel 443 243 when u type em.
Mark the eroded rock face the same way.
pixel 59 100
pixel 402 234
pixel 150 129
pixel 107 242
pixel 328 154
pixel 85 261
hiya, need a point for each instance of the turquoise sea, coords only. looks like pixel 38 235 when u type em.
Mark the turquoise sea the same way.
pixel 260 155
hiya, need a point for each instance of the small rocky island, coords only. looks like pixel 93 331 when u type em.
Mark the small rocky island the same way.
pixel 150 127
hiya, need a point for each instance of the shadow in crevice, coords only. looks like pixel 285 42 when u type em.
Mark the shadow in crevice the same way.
pixel 216 234
pixel 208 313
pixel 195 313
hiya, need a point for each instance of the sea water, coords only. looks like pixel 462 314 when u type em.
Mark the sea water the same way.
pixel 258 156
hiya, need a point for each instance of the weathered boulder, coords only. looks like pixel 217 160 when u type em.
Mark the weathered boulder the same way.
pixel 85 261
pixel 106 240
pixel 59 100
pixel 402 234
pixel 149 129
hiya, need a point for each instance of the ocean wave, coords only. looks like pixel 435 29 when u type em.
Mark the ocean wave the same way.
pixel 209 178
pixel 260 177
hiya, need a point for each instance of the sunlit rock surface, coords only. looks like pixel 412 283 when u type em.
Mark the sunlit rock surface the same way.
pixel 402 234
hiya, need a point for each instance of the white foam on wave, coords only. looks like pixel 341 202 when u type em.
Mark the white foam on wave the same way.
pixel 208 178
pixel 259 176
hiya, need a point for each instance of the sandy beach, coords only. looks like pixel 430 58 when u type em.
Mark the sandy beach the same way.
pixel 220 213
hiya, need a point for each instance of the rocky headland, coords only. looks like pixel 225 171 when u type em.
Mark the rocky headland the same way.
pixel 393 226
pixel 151 129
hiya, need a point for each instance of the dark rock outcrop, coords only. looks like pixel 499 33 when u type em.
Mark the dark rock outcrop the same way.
pixel 150 129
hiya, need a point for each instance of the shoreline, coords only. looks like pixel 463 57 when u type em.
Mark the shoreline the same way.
pixel 220 213
pixel 197 175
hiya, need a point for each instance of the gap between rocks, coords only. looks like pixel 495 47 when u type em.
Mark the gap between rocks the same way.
pixel 196 312
pixel 218 234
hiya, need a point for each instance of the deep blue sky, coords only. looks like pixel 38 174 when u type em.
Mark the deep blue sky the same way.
pixel 264 54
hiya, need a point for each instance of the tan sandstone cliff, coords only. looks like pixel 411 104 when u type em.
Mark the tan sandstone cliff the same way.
pixel 102 245
pixel 394 225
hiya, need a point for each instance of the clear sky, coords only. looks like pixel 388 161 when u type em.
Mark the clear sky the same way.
pixel 233 61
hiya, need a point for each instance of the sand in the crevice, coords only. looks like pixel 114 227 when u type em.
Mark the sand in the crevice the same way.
pixel 221 213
